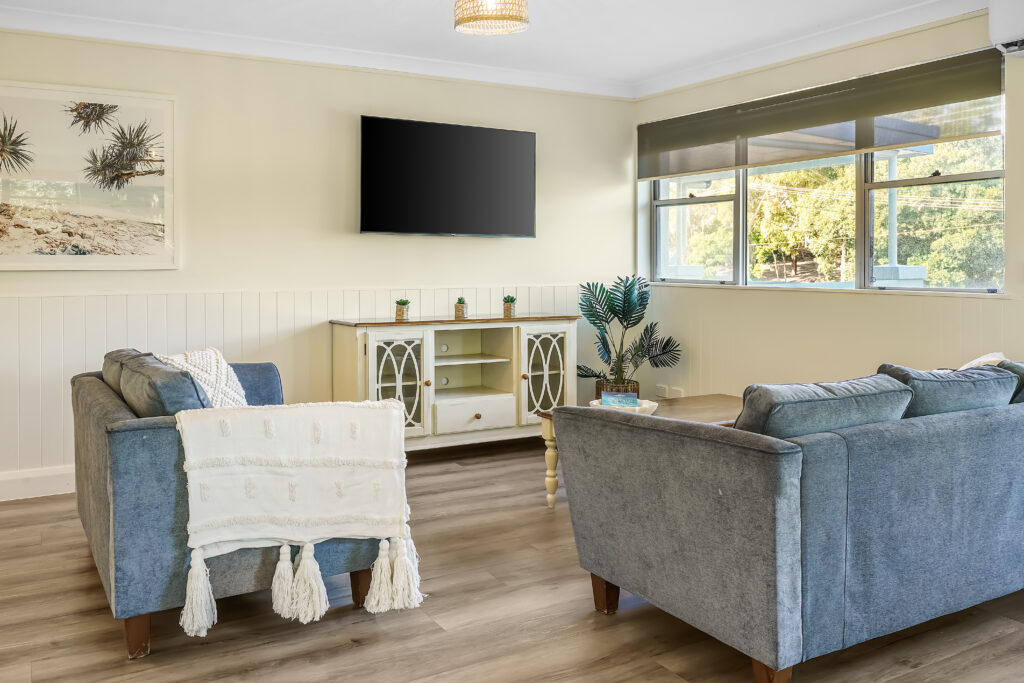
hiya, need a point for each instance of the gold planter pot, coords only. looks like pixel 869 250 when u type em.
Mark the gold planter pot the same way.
pixel 628 387
pixel 509 309
pixel 401 312
pixel 461 311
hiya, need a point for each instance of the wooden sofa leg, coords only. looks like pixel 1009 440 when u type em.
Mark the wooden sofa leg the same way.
pixel 606 595
pixel 763 674
pixel 136 635
pixel 360 586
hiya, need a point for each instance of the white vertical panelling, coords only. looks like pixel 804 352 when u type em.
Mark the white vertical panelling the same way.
pixel 30 343
pixel 53 381
pixel 250 327
pixel 74 363
pixel 195 321
pixel 136 322
pixel 213 321
pixel 48 340
pixel 233 326
pixel 176 323
pixel 9 417
pixel 157 323
pixel 95 332
pixel 117 322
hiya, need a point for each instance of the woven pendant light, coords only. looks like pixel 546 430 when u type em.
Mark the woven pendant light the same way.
pixel 491 17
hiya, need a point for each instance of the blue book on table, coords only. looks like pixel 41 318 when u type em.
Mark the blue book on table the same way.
pixel 619 399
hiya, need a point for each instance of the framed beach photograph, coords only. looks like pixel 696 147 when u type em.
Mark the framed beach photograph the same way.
pixel 86 179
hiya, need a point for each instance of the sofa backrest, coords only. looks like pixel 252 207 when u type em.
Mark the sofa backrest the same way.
pixel 935 517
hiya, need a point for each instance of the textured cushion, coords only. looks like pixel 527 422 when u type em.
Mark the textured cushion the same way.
pixel 948 391
pixel 788 410
pixel 1017 369
pixel 212 372
pixel 112 363
pixel 152 389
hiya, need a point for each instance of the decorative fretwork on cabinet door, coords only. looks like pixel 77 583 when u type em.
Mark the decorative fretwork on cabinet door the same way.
pixel 397 371
pixel 547 368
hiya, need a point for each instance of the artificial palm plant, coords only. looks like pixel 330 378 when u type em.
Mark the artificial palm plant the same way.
pixel 614 311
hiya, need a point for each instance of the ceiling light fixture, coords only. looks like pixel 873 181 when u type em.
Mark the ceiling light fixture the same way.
pixel 491 17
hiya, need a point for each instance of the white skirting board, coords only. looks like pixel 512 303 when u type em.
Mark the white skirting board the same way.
pixel 41 481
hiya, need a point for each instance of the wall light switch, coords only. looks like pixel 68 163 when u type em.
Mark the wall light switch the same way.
pixel 661 390
pixel 676 392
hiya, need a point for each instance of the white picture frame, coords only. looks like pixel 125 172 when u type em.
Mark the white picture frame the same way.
pixel 54 215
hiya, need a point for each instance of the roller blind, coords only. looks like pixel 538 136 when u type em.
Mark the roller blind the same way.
pixel 954 98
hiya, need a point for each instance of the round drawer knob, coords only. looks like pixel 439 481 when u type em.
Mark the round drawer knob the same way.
pixel 525 376
pixel 427 383
pixel 478 416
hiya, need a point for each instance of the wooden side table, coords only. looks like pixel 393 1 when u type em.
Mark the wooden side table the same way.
pixel 710 408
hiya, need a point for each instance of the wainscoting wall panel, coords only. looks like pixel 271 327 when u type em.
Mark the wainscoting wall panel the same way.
pixel 44 341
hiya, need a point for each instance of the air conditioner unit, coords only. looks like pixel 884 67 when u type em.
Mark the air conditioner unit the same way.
pixel 1006 25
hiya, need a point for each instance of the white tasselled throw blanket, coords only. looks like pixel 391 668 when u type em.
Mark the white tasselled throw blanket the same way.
pixel 296 475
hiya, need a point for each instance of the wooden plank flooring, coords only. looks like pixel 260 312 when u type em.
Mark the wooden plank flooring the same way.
pixel 508 602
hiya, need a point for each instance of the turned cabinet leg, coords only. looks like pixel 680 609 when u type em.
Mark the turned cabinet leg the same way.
pixel 360 586
pixel 763 674
pixel 136 635
pixel 606 595
pixel 550 459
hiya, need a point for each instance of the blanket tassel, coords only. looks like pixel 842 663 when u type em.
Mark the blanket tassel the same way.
pixel 200 610
pixel 378 599
pixel 406 576
pixel 309 595
pixel 281 588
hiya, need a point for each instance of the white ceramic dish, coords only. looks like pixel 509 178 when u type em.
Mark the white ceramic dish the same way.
pixel 643 407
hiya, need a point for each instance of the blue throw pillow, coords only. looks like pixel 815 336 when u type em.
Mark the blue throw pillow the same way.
pixel 152 389
pixel 788 410
pixel 948 391
pixel 1017 369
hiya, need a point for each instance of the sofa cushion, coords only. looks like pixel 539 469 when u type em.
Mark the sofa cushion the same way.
pixel 152 389
pixel 788 410
pixel 947 391
pixel 112 363
pixel 1017 369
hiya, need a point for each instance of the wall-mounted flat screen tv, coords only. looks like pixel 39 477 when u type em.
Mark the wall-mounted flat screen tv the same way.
pixel 442 179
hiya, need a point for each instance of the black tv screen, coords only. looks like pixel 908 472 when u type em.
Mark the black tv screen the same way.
pixel 444 179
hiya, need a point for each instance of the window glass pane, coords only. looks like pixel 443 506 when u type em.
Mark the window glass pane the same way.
pixel 807 143
pixel 957 119
pixel 948 158
pixel 946 235
pixel 695 241
pixel 704 185
pixel 801 224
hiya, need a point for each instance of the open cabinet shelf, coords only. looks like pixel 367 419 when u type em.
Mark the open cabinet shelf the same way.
pixel 468 359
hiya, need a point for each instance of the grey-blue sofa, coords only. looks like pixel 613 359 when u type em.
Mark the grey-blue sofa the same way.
pixel 132 496
pixel 861 516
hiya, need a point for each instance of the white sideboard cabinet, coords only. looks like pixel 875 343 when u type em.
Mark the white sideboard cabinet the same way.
pixel 461 381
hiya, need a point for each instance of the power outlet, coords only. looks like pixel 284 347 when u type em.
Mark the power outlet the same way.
pixel 676 392
pixel 661 390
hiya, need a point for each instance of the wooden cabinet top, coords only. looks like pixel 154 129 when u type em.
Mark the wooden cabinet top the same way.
pixel 449 319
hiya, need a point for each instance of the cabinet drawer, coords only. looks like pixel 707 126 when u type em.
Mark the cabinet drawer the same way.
pixel 451 416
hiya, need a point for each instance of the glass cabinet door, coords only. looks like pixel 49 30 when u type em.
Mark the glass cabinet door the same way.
pixel 544 372
pixel 397 371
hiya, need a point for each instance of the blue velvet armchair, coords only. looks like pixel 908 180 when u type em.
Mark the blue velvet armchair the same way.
pixel 133 503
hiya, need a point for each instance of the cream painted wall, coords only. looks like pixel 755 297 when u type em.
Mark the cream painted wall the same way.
pixel 268 172
pixel 733 337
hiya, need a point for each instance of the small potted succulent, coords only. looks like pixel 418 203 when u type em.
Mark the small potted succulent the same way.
pixel 460 308
pixel 402 309
pixel 508 304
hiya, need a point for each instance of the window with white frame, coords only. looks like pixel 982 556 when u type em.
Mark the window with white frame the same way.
pixel 911 199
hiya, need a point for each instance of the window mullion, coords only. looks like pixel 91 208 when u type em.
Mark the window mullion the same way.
pixel 861 248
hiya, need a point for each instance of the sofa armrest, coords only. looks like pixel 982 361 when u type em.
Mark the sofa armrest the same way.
pixel 149 510
pixel 702 521
pixel 261 382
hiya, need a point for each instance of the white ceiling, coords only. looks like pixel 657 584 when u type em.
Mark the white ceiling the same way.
pixel 627 49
